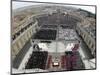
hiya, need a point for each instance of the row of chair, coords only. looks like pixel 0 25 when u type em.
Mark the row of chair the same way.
pixel 72 61
pixel 49 61
pixel 57 18
pixel 37 60
pixel 46 34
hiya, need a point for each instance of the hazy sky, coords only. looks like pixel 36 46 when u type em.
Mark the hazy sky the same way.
pixel 22 4
pixel 16 5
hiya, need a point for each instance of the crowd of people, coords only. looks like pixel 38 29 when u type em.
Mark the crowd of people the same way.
pixel 67 34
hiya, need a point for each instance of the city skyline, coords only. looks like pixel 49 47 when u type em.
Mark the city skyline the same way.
pixel 16 5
